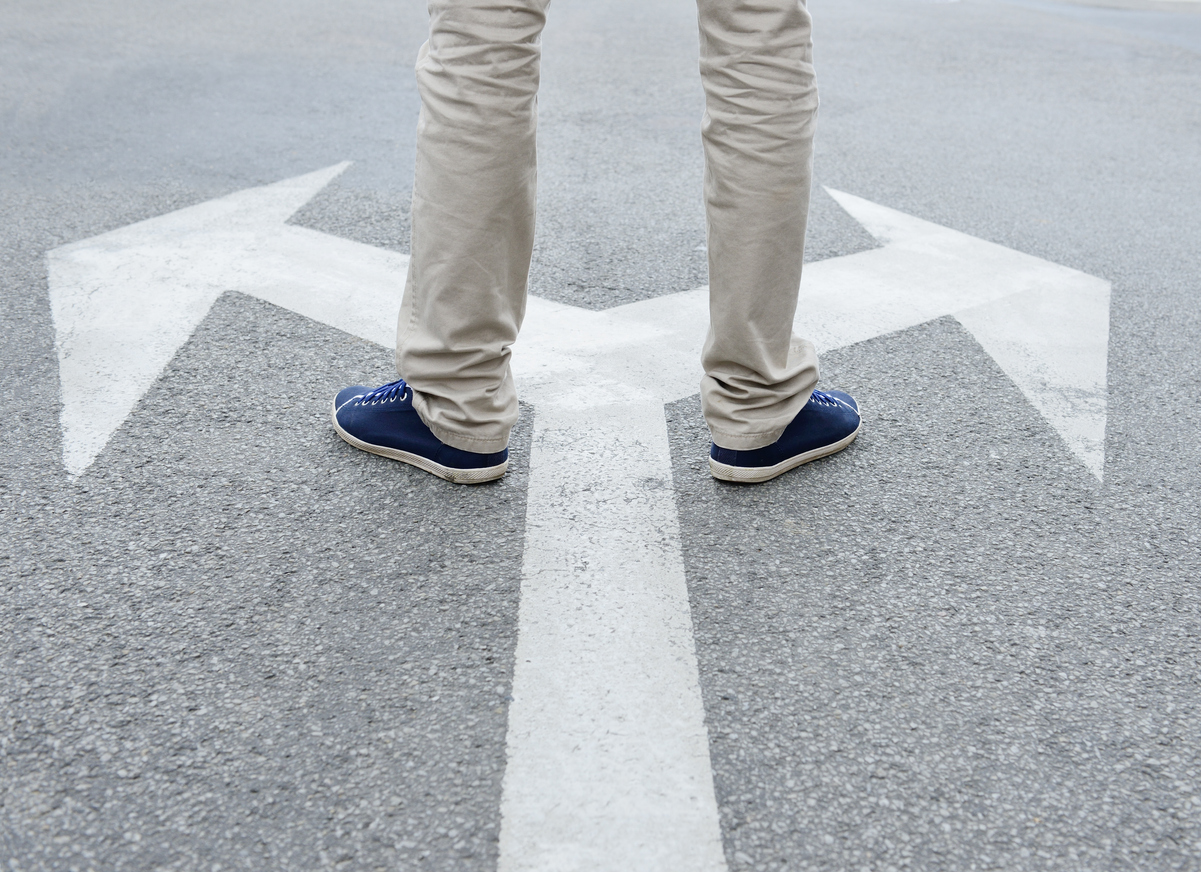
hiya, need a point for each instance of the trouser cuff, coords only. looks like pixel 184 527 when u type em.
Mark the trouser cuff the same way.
pixel 745 441
pixel 458 439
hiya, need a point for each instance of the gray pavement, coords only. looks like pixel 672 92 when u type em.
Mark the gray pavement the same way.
pixel 214 655
pixel 235 643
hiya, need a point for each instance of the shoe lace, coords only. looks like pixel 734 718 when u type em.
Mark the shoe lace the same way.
pixel 824 399
pixel 396 390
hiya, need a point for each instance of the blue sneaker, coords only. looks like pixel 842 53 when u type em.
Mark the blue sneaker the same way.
pixel 828 423
pixel 384 422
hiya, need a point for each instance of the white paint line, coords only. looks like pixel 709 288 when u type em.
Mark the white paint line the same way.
pixel 608 756
pixel 608 753
pixel 1046 325
pixel 581 791
pixel 1055 347
pixel 124 302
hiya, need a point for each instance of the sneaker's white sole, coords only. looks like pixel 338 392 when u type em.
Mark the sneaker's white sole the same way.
pixel 458 476
pixel 757 474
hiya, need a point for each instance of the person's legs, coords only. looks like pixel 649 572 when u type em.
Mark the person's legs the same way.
pixel 760 103
pixel 473 217
pixel 473 224
pixel 473 234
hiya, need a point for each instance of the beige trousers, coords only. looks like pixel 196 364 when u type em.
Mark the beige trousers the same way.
pixel 473 215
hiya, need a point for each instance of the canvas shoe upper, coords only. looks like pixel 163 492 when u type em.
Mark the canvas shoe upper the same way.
pixel 827 423
pixel 383 421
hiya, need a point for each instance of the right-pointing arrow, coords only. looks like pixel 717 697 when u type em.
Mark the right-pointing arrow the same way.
pixel 1046 326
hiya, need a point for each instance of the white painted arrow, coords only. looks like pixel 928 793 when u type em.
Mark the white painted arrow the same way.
pixel 125 301
pixel 608 754
pixel 608 765
pixel 1045 325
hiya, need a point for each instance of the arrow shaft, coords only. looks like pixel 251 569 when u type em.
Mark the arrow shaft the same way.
pixel 349 286
pixel 608 756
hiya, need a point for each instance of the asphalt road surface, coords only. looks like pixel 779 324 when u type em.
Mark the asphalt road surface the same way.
pixel 233 642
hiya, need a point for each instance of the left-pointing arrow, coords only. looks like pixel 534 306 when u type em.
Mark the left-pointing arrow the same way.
pixel 124 302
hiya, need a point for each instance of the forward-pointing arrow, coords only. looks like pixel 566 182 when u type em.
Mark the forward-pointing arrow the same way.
pixel 608 764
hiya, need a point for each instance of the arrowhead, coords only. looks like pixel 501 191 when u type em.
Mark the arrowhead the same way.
pixel 1046 325
pixel 1055 347
pixel 124 302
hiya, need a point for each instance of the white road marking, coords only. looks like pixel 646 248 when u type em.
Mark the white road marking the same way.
pixel 608 765
pixel 125 301
pixel 602 572
pixel 608 756
pixel 1046 326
